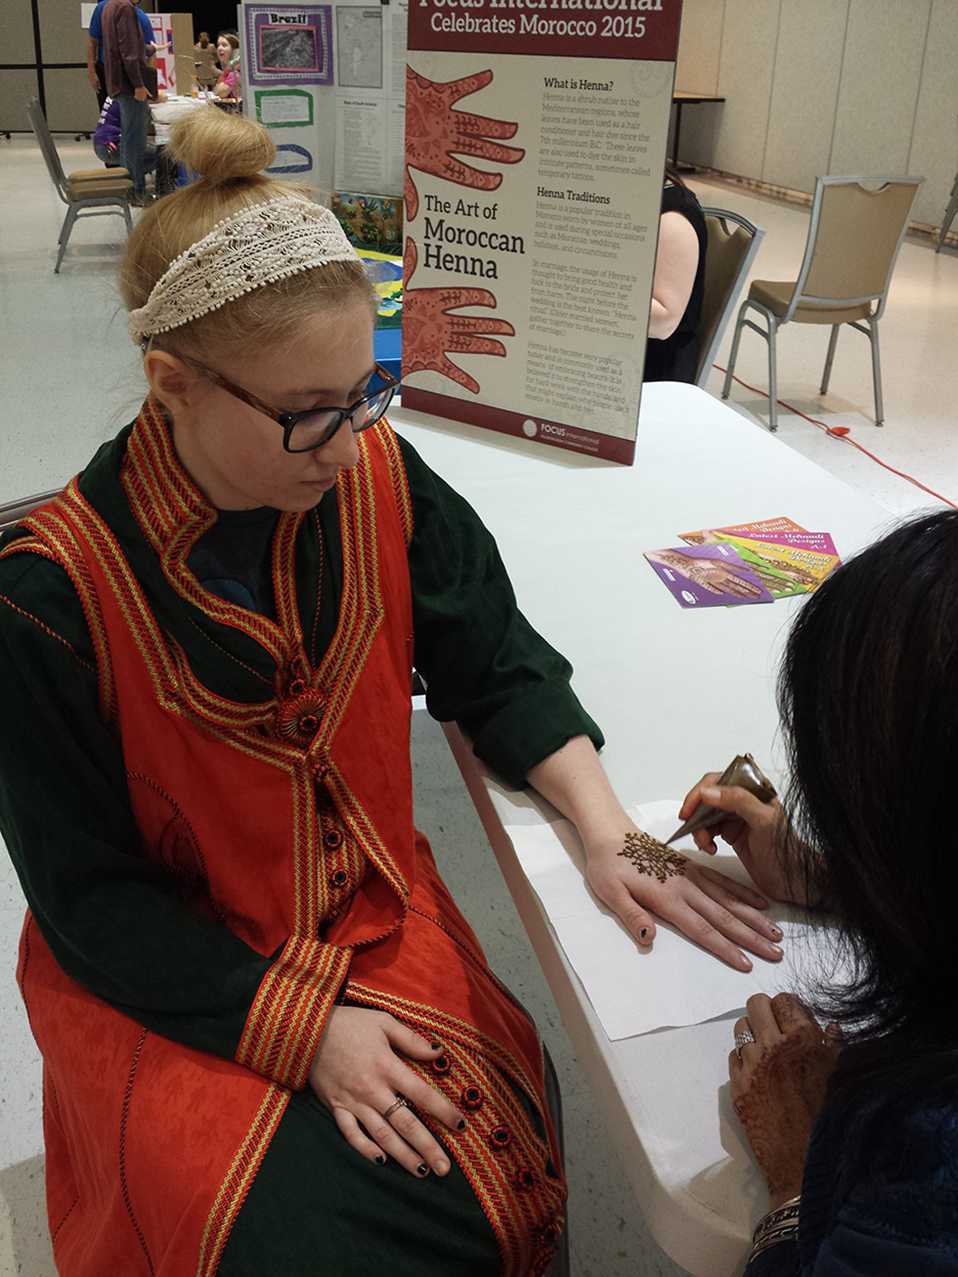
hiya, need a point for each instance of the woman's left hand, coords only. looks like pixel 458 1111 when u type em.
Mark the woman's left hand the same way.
pixel 638 878
pixel 778 1086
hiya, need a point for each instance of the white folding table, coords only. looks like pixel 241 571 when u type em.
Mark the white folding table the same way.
pixel 676 693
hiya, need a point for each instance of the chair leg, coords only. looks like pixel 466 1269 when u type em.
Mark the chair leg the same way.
pixel 772 374
pixel 733 355
pixel 876 371
pixel 68 223
pixel 829 359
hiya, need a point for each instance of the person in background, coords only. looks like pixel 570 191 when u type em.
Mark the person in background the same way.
pixel 94 59
pixel 206 69
pixel 858 1134
pixel 671 353
pixel 107 143
pixel 227 86
pixel 127 76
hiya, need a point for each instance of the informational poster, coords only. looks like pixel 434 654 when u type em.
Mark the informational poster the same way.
pixel 165 57
pixel 535 146
pixel 292 45
pixel 286 59
pixel 370 96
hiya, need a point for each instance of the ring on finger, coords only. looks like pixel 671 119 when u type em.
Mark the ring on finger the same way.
pixel 744 1037
pixel 400 1103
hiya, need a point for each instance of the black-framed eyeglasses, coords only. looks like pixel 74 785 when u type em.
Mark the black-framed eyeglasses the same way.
pixel 310 429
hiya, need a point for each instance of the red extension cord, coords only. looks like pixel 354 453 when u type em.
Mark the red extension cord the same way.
pixel 843 433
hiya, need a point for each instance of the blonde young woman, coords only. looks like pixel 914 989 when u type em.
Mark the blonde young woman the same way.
pixel 271 1042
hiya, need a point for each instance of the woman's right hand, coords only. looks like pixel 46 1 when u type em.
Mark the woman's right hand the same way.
pixel 358 1073
pixel 757 832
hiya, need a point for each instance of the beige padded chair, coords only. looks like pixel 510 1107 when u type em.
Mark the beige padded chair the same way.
pixel 732 244
pixel 86 192
pixel 856 229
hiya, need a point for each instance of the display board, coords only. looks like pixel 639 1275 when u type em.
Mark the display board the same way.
pixel 370 96
pixel 535 146
pixel 173 37
pixel 287 64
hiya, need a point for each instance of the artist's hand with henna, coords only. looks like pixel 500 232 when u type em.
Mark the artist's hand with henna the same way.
pixel 358 1072
pixel 757 832
pixel 432 330
pixel 708 574
pixel 436 133
pixel 640 879
pixel 778 1085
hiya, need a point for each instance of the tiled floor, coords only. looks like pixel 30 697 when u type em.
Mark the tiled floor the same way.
pixel 69 379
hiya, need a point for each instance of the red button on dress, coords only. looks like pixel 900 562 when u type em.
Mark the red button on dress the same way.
pixel 441 1064
pixel 332 839
pixel 471 1098
pixel 339 878
pixel 501 1137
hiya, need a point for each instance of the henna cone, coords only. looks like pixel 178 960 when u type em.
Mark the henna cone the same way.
pixel 742 771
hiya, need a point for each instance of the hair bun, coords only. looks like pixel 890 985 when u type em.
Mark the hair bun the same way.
pixel 221 147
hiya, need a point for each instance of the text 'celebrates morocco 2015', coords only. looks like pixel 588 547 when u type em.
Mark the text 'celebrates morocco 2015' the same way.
pixel 535 146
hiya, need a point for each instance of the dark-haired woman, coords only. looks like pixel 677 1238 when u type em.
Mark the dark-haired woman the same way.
pixel 859 1138
pixel 672 350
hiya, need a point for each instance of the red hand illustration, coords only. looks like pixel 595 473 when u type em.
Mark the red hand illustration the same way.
pixel 435 133
pixel 429 330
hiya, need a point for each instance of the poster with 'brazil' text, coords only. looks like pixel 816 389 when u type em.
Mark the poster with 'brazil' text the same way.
pixel 535 145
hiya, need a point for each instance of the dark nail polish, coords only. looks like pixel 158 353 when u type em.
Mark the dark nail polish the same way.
pixel 643 933
pixel 422 1169
pixel 461 1124
pixel 381 1160
pixel 435 1046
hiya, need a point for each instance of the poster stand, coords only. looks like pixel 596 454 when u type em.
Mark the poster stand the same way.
pixel 535 148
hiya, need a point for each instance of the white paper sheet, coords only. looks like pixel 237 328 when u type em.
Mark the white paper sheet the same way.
pixel 676 983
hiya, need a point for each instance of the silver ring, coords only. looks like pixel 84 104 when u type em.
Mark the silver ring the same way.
pixel 743 1038
pixel 401 1103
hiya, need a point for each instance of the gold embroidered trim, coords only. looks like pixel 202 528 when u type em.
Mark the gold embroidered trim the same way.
pixel 397 475
pixel 63 548
pixel 239 1177
pixel 290 1009
pixel 524 1205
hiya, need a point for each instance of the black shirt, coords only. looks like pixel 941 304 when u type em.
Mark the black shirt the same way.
pixel 675 358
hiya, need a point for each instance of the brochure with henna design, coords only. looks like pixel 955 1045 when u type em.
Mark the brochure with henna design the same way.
pixel 535 146
pixel 788 559
pixel 708 576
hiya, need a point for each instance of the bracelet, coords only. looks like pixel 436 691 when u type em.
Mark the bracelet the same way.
pixel 777 1226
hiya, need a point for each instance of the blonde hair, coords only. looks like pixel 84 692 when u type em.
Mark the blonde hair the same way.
pixel 229 153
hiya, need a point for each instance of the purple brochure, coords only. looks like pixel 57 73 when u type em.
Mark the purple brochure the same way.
pixel 708 576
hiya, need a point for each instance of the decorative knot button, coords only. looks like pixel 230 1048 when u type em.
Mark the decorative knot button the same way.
pixel 501 1137
pixel 332 839
pixel 339 878
pixel 298 719
pixel 297 687
pixel 441 1064
pixel 525 1178
pixel 471 1098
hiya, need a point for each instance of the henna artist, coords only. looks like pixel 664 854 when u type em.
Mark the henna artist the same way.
pixel 271 1042
pixel 856 1126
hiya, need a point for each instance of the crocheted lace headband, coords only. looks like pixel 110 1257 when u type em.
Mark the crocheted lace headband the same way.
pixel 256 246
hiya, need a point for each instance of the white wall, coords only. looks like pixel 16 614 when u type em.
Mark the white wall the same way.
pixel 824 86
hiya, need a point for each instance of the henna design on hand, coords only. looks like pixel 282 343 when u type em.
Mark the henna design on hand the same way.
pixel 429 330
pixel 435 133
pixel 652 857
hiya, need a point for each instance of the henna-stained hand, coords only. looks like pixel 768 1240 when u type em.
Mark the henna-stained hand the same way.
pixel 436 133
pixel 638 877
pixel 778 1085
pixel 429 330
pixel 709 574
